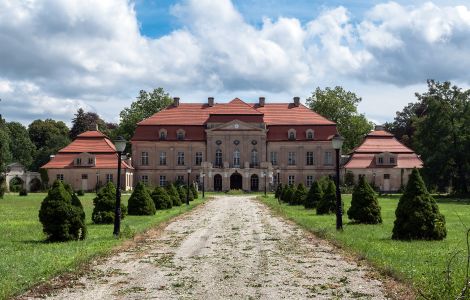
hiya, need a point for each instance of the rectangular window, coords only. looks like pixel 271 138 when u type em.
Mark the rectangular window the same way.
pixel 328 158
pixel 180 135
pixel 309 180
pixel 180 179
pixel 310 158
pixel 381 160
pixel 90 160
pixel 60 177
pixel 198 158
pixel 78 161
pixel 291 179
pixel 180 158
pixel 144 179
pixel 162 180
pixel 144 158
pixel 84 176
pixel 109 178
pixel 291 159
pixel 162 158
pixel 162 135
pixel 392 160
pixel 386 176
pixel 273 156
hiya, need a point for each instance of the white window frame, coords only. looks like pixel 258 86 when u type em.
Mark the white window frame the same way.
pixel 162 180
pixel 310 158
pixel 198 161
pixel 144 158
pixel 291 180
pixel 180 158
pixel 328 158
pixel 273 158
pixel 309 180
pixel 162 158
pixel 291 158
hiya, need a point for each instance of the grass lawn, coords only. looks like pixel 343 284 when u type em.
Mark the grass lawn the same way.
pixel 25 259
pixel 421 263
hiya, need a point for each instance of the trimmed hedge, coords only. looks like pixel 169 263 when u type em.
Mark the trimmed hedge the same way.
pixel 140 203
pixel 61 220
pixel 417 213
pixel 364 204
pixel 174 195
pixel 105 205
pixel 314 196
pixel 161 199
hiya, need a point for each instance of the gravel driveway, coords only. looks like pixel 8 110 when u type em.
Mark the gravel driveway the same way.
pixel 230 248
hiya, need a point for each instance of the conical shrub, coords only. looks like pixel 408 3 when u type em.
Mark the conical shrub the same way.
pixel 174 195
pixel 284 193
pixel 61 220
pixel 194 191
pixel 327 204
pixel 161 199
pixel 364 204
pixel 140 203
pixel 105 205
pixel 417 213
pixel 278 191
pixel 182 193
pixel 300 194
pixel 290 194
pixel 314 196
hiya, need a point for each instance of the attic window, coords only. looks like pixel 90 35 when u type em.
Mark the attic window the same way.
pixel 90 160
pixel 309 134
pixel 392 160
pixel 78 161
pixel 380 160
pixel 163 134
pixel 180 134
pixel 291 134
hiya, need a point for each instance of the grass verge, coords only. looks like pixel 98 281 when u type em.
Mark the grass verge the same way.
pixel 423 264
pixel 26 260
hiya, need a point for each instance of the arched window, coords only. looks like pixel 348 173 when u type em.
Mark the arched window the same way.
pixel 218 158
pixel 309 134
pixel 236 158
pixel 162 134
pixel 254 157
pixel 180 134
pixel 291 134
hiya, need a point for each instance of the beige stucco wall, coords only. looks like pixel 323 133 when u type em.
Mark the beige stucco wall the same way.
pixel 376 175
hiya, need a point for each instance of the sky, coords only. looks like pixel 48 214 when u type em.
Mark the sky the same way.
pixel 59 55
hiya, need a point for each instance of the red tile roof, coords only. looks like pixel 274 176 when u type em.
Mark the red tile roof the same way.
pixel 93 142
pixel 364 161
pixel 273 114
pixel 379 141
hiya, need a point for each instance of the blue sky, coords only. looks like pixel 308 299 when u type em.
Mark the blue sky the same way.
pixel 59 55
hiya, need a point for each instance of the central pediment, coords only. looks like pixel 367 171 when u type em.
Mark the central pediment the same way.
pixel 236 125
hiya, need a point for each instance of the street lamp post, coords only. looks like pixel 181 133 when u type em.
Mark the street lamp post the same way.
pixel 187 187
pixel 97 181
pixel 120 143
pixel 278 171
pixel 203 175
pixel 265 177
pixel 337 144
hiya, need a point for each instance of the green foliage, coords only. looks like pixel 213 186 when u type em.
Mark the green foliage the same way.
pixel 403 126
pixel 23 192
pixel 284 193
pixel 189 193
pixel 21 147
pixel 140 203
pixel 61 220
pixel 417 213
pixel 327 203
pixel 290 193
pixel 182 193
pixel 314 196
pixel 161 199
pixel 3 187
pixel 299 195
pixel 84 121
pixel 5 152
pixel 340 106
pixel 80 193
pixel 278 191
pixel 146 104
pixel 48 136
pixel 44 178
pixel 105 205
pixel 235 192
pixel 364 205
pixel 349 178
pixel 194 191
pixel 174 195
pixel 16 184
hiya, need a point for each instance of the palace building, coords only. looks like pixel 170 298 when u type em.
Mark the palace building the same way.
pixel 383 160
pixel 234 145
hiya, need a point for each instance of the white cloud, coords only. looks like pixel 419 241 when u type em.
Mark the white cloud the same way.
pixel 58 55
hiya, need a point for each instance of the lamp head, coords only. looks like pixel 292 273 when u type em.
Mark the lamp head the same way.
pixel 189 170
pixel 337 141
pixel 120 144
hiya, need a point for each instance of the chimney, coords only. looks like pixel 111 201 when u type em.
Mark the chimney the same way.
pixel 176 101
pixel 262 101
pixel 96 127
pixel 210 101
pixel 296 101
pixel 379 127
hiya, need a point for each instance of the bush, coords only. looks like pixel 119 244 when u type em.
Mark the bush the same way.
pixel 161 199
pixel 327 204
pixel 235 192
pixel 314 196
pixel 194 191
pixel 61 220
pixel 417 214
pixel 182 193
pixel 3 187
pixel 23 192
pixel 278 191
pixel 189 193
pixel 284 193
pixel 80 193
pixel 76 202
pixel 105 205
pixel 364 205
pixel 349 178
pixel 172 191
pixel 290 194
pixel 299 195
pixel 140 203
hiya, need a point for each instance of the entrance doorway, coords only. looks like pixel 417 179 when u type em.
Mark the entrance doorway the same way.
pixel 217 183
pixel 254 183
pixel 236 181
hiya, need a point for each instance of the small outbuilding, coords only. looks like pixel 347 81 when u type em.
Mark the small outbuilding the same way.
pixel 383 160
pixel 88 162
